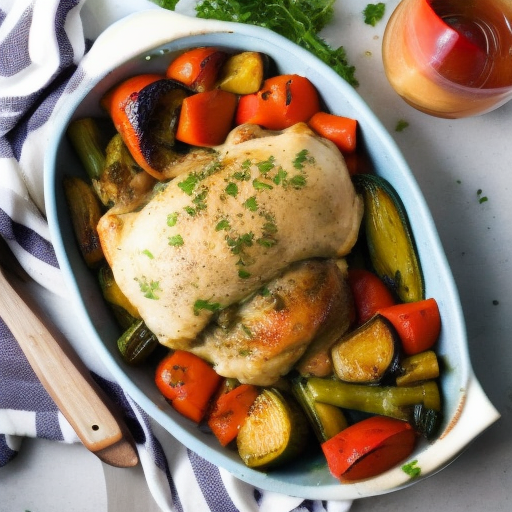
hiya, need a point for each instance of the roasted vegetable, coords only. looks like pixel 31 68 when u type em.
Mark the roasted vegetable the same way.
pixel 88 141
pixel 326 420
pixel 369 354
pixel 417 323
pixel 198 68
pixel 243 73
pixel 369 448
pixel 274 432
pixel 282 101
pixel 188 382
pixel 85 211
pixel 137 343
pixel 418 367
pixel 145 111
pixel 122 180
pixel 123 309
pixel 426 422
pixel 206 118
pixel 397 402
pixel 389 237
pixel 338 129
pixel 369 293
pixel 230 411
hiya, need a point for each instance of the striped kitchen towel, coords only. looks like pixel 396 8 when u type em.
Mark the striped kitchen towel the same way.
pixel 41 45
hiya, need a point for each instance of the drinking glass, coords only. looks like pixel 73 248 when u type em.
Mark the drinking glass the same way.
pixel 450 58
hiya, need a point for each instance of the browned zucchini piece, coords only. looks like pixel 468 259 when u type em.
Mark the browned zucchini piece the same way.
pixel 275 431
pixel 87 139
pixel 418 367
pixel 85 211
pixel 389 237
pixel 326 420
pixel 243 73
pixel 369 354
pixel 137 343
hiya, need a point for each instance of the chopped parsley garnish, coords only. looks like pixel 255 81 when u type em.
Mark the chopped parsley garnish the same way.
pixel 176 241
pixel 149 289
pixel 222 225
pixel 280 177
pixel 189 184
pixel 301 158
pixel 243 274
pixel 298 181
pixel 261 185
pixel 148 253
pixel 232 189
pixel 266 165
pixel 201 304
pixel 481 198
pixel 251 204
pixel 373 13
pixel 401 125
pixel 238 244
pixel 172 218
pixel 412 469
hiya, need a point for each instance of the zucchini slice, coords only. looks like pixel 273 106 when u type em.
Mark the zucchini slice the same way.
pixel 137 343
pixel 418 368
pixel 389 237
pixel 326 420
pixel 274 432
pixel 369 354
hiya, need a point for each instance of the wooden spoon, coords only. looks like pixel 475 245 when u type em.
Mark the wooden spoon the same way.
pixel 61 372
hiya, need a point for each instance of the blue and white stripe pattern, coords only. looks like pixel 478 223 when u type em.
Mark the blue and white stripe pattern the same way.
pixel 41 44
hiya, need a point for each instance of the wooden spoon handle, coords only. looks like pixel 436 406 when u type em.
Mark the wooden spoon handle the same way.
pixel 67 381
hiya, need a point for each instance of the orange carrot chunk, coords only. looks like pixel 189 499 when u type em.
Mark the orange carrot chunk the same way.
pixel 369 292
pixel 337 129
pixel 417 323
pixel 206 118
pixel 197 68
pixel 369 447
pixel 283 101
pixel 187 382
pixel 230 411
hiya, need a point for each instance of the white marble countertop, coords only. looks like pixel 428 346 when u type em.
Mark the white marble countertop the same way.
pixel 452 161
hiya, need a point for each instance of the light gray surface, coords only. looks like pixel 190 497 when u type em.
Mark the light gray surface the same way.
pixel 452 161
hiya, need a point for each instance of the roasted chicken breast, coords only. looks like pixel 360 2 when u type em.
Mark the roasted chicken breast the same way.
pixel 213 236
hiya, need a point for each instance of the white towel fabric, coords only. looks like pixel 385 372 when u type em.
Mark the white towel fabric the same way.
pixel 41 45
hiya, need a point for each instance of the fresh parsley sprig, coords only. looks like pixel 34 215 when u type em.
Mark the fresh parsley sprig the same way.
pixel 299 21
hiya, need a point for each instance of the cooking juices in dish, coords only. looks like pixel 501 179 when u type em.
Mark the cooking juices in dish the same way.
pixel 231 253
pixel 450 58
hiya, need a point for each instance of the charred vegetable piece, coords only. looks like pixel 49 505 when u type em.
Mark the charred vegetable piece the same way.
pixel 122 180
pixel 197 68
pixel 389 237
pixel 87 139
pixel 369 354
pixel 274 432
pixel 326 420
pixel 368 448
pixel 243 73
pixel 397 402
pixel 145 112
pixel 137 343
pixel 85 211
pixel 418 367
pixel 123 309
pixel 426 421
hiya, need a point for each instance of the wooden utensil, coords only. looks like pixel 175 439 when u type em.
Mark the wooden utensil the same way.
pixel 61 372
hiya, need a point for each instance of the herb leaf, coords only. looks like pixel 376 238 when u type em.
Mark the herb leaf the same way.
pixel 299 21
pixel 374 13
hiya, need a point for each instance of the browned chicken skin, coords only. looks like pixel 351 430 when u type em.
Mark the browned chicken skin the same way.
pixel 263 338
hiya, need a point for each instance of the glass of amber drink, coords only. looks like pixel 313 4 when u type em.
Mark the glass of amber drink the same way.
pixel 450 58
